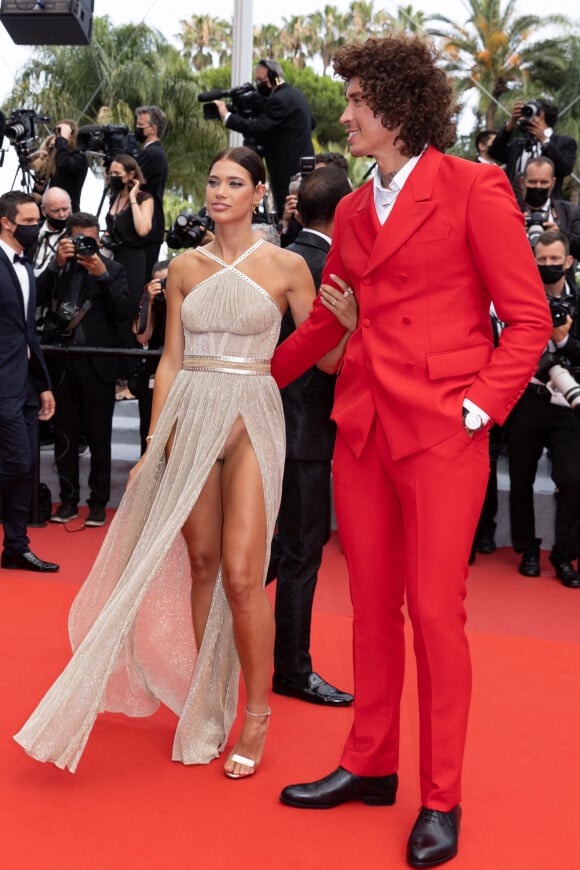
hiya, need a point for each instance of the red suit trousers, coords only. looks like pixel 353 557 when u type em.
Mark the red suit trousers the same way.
pixel 406 527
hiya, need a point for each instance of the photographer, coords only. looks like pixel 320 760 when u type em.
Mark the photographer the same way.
pixel 544 416
pixel 70 162
pixel 129 222
pixel 56 208
pixel 535 120
pixel 149 330
pixel 282 130
pixel 150 126
pixel 543 212
pixel 87 299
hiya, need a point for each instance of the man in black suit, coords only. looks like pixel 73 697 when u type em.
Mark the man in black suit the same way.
pixel 304 518
pixel 88 305
pixel 544 417
pixel 23 379
pixel 537 139
pixel 537 188
pixel 282 131
pixel 150 126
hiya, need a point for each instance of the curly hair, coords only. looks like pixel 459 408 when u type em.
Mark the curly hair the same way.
pixel 401 82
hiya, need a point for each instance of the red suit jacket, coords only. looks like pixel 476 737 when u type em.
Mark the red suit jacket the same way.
pixel 453 243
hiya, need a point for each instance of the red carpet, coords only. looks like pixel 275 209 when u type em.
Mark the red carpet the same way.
pixel 128 806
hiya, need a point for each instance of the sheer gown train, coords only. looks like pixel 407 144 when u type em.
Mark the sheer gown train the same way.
pixel 130 625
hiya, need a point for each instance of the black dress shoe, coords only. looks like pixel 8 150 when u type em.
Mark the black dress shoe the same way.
pixel 565 571
pixel 485 544
pixel 530 564
pixel 316 690
pixel 26 561
pixel 434 837
pixel 340 787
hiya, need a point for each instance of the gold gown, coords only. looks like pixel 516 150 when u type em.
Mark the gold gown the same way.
pixel 130 624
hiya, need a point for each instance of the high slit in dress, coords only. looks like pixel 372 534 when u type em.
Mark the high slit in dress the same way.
pixel 130 625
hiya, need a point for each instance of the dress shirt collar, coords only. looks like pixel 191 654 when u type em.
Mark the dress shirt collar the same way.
pixel 385 198
pixel 318 233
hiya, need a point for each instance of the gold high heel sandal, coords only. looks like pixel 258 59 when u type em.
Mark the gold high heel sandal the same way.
pixel 241 759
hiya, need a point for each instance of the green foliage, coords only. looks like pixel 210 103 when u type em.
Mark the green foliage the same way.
pixel 326 99
pixel 124 67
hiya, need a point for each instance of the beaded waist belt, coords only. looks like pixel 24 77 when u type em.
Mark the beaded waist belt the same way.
pixel 235 365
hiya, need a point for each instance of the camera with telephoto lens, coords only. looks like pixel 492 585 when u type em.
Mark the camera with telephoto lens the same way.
pixel 85 246
pixel 188 230
pixel 530 110
pixel 244 101
pixel 554 370
pixel 106 141
pixel 535 225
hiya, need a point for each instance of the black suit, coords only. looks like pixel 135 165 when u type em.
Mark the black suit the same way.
pixel 534 423
pixel 304 518
pixel 568 219
pixel 84 387
pixel 283 131
pixel 23 375
pixel 71 169
pixel 154 166
pixel 560 149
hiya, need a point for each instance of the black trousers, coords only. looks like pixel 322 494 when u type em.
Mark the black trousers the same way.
pixel 532 425
pixel 18 443
pixel 303 529
pixel 84 406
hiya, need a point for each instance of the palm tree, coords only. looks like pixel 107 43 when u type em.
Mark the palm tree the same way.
pixel 488 51
pixel 104 82
pixel 206 39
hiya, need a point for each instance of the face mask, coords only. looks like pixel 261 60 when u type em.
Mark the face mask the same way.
pixel 27 234
pixel 536 197
pixel 57 224
pixel 116 183
pixel 140 134
pixel 263 89
pixel 551 274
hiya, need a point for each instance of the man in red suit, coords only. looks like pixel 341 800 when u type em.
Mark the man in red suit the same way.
pixel 425 245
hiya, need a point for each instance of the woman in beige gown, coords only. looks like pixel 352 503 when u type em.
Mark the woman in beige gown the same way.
pixel 192 533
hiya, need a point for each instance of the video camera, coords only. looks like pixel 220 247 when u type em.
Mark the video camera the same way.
pixel 530 110
pixel 535 225
pixel 244 101
pixel 107 140
pixel 22 132
pixel 189 230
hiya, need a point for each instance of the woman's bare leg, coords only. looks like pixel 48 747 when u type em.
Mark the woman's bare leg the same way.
pixel 243 558
pixel 203 532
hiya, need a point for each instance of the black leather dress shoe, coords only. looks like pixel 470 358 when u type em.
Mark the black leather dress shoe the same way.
pixel 485 544
pixel 530 564
pixel 340 787
pixel 566 572
pixel 316 691
pixel 27 561
pixel 434 837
